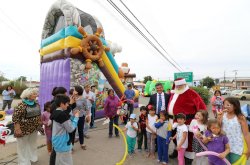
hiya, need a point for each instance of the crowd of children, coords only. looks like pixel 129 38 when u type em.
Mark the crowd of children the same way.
pixel 224 135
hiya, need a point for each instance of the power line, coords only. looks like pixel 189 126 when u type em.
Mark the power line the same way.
pixel 18 30
pixel 149 33
pixel 138 30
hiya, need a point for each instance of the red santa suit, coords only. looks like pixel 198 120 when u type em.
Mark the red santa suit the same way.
pixel 187 102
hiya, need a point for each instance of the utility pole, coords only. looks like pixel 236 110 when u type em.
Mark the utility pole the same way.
pixel 224 79
pixel 235 73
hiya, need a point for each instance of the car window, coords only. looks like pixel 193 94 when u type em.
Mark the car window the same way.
pixel 247 92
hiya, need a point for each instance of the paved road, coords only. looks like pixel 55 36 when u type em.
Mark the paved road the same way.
pixel 100 149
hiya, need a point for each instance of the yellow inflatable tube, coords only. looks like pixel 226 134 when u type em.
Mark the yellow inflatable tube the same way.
pixel 125 143
pixel 69 41
pixel 243 158
pixel 113 72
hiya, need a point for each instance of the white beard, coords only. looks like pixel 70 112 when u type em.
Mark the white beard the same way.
pixel 181 91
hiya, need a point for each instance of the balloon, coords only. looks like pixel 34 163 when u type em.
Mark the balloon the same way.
pixel 212 153
pixel 10 111
pixel 126 145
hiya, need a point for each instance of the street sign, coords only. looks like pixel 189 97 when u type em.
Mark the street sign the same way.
pixel 187 75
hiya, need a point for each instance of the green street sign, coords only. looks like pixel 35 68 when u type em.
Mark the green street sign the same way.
pixel 187 75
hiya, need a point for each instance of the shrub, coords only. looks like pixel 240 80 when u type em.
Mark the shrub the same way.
pixel 204 93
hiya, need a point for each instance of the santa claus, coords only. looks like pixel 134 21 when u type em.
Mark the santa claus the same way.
pixel 187 101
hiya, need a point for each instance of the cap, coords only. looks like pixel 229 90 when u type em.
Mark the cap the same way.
pixel 179 81
pixel 132 116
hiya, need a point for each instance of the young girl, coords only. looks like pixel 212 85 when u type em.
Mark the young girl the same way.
pixel 234 124
pixel 151 131
pixel 163 131
pixel 47 124
pixel 131 128
pixel 182 137
pixel 216 142
pixel 217 93
pixel 198 126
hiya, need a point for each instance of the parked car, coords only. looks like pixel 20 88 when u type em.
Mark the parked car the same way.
pixel 234 92
pixel 243 95
pixel 225 91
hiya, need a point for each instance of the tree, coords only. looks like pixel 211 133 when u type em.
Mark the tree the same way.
pixel 147 78
pixel 226 81
pixel 217 81
pixel 2 78
pixel 23 78
pixel 208 81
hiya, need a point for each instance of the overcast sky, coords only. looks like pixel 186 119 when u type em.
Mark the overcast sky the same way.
pixel 205 37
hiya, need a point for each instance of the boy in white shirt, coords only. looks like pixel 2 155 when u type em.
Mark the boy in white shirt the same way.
pixel 131 128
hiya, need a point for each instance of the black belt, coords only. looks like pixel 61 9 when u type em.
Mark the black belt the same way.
pixel 188 117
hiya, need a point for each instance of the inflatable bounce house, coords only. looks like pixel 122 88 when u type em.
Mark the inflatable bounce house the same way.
pixel 74 51
pixel 150 87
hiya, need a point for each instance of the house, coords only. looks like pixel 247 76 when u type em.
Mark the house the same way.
pixel 241 83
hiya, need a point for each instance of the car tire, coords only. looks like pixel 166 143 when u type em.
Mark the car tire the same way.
pixel 243 98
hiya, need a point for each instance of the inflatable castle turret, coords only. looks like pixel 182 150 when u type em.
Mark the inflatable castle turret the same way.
pixel 74 51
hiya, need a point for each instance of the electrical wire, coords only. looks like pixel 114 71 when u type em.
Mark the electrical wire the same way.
pixel 18 29
pixel 141 33
pixel 149 33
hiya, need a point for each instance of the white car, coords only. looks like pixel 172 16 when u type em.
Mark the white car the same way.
pixel 225 91
pixel 235 93
pixel 243 95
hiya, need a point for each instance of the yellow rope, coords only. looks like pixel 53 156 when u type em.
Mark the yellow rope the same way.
pixel 126 145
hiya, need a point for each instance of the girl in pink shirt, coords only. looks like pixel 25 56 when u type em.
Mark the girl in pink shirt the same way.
pixel 213 100
pixel 47 124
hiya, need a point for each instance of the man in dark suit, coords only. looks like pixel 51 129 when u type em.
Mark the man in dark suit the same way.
pixel 160 99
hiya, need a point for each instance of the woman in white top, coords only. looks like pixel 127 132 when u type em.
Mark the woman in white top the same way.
pixel 151 130
pixel 234 124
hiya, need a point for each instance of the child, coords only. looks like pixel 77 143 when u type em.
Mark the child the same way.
pixel 163 131
pixel 142 129
pixel 216 142
pixel 218 104
pixel 47 125
pixel 131 128
pixel 198 126
pixel 234 124
pixel 151 131
pixel 62 126
pixel 182 137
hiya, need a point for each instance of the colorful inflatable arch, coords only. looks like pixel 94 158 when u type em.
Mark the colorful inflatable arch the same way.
pixel 74 52
pixel 150 87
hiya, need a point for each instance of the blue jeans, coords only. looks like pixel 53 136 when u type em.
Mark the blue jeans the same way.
pixel 162 150
pixel 92 123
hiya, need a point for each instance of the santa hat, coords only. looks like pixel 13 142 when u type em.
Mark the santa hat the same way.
pixel 179 81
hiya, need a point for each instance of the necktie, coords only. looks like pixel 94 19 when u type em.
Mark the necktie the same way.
pixel 159 104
